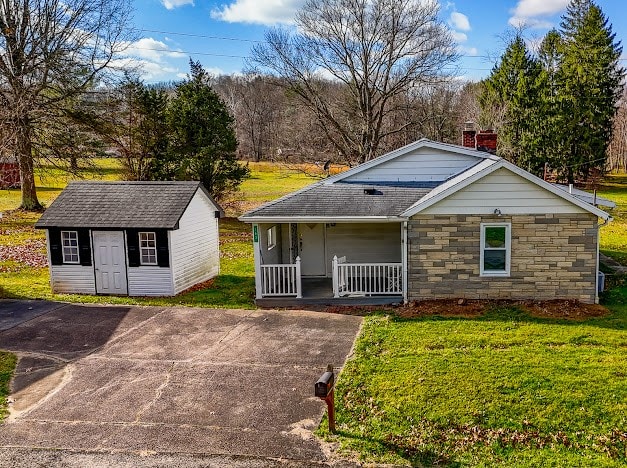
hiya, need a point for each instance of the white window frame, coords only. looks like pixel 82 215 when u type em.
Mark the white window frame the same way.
pixel 507 248
pixel 72 249
pixel 271 237
pixel 148 248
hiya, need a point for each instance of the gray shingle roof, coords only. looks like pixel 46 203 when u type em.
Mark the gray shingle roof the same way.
pixel 120 205
pixel 343 199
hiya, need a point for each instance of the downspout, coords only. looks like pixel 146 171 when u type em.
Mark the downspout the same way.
pixel 596 289
pixel 405 253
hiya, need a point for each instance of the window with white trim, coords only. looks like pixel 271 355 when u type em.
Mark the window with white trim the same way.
pixel 271 234
pixel 147 248
pixel 69 241
pixel 495 249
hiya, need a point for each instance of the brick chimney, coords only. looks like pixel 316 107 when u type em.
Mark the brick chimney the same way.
pixel 486 141
pixel 468 135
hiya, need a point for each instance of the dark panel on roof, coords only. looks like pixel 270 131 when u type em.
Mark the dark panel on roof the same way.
pixel 341 199
pixel 120 205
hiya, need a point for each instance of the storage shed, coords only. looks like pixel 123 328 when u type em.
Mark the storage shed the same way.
pixel 131 238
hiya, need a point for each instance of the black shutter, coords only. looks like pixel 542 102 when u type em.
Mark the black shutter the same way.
pixel 132 245
pixel 56 251
pixel 84 247
pixel 163 253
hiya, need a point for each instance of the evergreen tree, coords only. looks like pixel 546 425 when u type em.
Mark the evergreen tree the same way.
pixel 510 95
pixel 549 116
pixel 202 138
pixel 590 86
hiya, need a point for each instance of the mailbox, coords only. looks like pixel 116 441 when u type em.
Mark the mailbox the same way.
pixel 324 385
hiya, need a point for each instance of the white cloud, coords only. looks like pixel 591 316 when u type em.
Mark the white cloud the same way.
pixel 152 49
pixel 472 51
pixel 460 21
pixel 148 71
pixel 267 12
pixel 459 36
pixel 531 8
pixel 530 12
pixel 172 4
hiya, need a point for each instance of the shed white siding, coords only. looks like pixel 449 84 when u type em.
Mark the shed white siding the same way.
pixel 72 279
pixel 194 247
pixel 363 243
pixel 150 281
pixel 422 164
pixel 506 191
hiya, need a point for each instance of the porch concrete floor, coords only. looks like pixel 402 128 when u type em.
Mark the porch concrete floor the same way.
pixel 319 292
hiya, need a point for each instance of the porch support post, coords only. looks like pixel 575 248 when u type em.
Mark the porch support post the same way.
pixel 405 255
pixel 257 256
pixel 299 283
pixel 336 286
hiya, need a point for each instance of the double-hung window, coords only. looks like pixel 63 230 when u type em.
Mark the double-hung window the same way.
pixel 148 248
pixel 69 241
pixel 495 249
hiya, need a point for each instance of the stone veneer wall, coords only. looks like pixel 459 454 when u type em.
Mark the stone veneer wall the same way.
pixel 553 257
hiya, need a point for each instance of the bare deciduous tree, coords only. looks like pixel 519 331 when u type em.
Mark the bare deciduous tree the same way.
pixel 377 49
pixel 51 52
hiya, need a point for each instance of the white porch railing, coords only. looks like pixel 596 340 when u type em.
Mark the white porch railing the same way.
pixel 366 279
pixel 281 280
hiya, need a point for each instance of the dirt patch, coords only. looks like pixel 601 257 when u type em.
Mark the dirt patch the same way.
pixel 556 309
pixel 199 287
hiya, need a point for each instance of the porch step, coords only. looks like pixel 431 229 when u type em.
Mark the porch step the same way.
pixel 328 301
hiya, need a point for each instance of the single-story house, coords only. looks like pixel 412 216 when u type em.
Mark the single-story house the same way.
pixel 131 238
pixel 428 221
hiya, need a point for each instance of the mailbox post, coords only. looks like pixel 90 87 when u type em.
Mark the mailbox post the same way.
pixel 323 389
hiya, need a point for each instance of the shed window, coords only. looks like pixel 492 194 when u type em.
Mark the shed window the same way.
pixel 495 249
pixel 69 241
pixel 271 237
pixel 148 248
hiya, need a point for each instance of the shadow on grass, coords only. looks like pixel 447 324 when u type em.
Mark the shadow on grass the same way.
pixel 417 457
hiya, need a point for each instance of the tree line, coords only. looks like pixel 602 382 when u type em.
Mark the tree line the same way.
pixel 353 80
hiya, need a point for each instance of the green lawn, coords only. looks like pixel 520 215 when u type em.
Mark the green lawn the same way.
pixel 7 366
pixel 505 389
pixel 614 235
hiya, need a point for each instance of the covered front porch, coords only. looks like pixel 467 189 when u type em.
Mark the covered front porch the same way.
pixel 329 263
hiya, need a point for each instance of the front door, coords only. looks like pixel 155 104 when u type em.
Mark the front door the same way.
pixel 110 262
pixel 311 249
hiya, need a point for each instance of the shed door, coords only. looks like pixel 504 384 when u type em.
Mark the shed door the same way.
pixel 110 262
pixel 311 249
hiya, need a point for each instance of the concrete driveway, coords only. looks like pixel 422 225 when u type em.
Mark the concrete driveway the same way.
pixel 172 382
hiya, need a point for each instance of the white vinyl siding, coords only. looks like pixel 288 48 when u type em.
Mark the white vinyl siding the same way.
pixel 72 279
pixel 194 247
pixel 147 248
pixel 363 243
pixel 69 244
pixel 424 164
pixel 150 281
pixel 506 191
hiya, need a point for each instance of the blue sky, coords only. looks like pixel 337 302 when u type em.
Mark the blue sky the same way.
pixel 220 33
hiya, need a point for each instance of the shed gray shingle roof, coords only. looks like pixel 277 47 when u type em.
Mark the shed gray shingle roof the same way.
pixel 157 205
pixel 343 200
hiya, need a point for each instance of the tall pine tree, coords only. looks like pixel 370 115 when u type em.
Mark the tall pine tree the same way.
pixel 202 138
pixel 589 88
pixel 511 95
